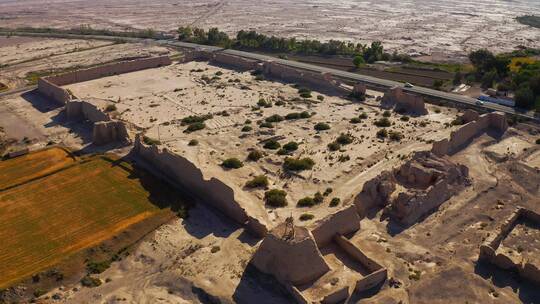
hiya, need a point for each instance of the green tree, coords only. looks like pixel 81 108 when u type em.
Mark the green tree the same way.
pixel 525 98
pixel 358 61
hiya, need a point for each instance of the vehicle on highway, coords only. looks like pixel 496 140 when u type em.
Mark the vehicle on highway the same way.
pixel 408 85
pixel 479 102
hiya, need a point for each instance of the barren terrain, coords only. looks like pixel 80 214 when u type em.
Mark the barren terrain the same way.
pixel 443 30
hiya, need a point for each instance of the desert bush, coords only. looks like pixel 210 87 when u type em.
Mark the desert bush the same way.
pixel 334 202
pixel 291 146
pixel 334 146
pixel 320 97
pixel 344 139
pixel 276 198
pixel 195 127
pixel 90 282
pixel 306 217
pixel 404 118
pixel 386 114
pixel 39 292
pixel 272 145
pixel 97 267
pixel 297 115
pixel 344 158
pixel 395 136
pixel 298 164
pixel 382 133
pixel 255 155
pixel 195 119
pixel 363 115
pixel 355 120
pixel 264 103
pixel 306 202
pixel 247 122
pixel 274 118
pixel 280 103
pixel 246 128
pixel 193 142
pixel 318 198
pixel 232 163
pixel 321 126
pixel 305 95
pixel 328 191
pixel 259 181
pixel 383 122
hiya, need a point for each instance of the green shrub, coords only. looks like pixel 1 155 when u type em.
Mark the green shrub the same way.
pixel 274 118
pixel 255 155
pixel 306 202
pixel 383 122
pixel 386 114
pixel 195 119
pixel 305 95
pixel 318 198
pixel 404 118
pixel 195 127
pixel 247 122
pixel 296 115
pixel 276 198
pixel 328 191
pixel 306 217
pixel 280 103
pixel 382 133
pixel 39 292
pixel 334 146
pixel 344 139
pixel 110 108
pixel 344 158
pixel 150 141
pixel 272 145
pixel 355 120
pixel 90 282
pixel 246 128
pixel 282 151
pixel 232 163
pixel 363 115
pixel 321 126
pixel 320 97
pixel 395 136
pixel 334 202
pixel 193 142
pixel 97 267
pixel 297 164
pixel 291 146
pixel 259 181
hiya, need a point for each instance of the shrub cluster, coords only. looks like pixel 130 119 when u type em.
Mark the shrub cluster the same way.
pixel 308 201
pixel 334 202
pixel 395 136
pixel 232 163
pixel 298 164
pixel 383 122
pixel 193 142
pixel 255 155
pixel 276 198
pixel 195 119
pixel 272 145
pixel 196 126
pixel 321 126
pixel 263 103
pixel 150 141
pixel 274 118
pixel 345 139
pixel 297 115
pixel 259 181
pixel 306 217
pixel 382 133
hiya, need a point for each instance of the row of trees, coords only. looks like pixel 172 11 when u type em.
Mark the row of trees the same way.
pixel 88 30
pixel 252 40
pixel 491 70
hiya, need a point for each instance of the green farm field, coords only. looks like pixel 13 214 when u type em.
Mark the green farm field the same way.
pixel 45 220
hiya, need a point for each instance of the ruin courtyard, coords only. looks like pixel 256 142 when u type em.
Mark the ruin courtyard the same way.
pixel 289 186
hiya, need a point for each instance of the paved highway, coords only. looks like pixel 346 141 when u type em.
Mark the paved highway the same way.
pixel 372 81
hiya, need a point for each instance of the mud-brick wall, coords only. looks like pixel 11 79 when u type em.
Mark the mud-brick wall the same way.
pixel 342 222
pixel 186 175
pixel 52 91
pixel 235 61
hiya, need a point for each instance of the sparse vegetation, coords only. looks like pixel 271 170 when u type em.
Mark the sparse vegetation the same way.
pixel 383 122
pixel 195 119
pixel 246 128
pixel 395 136
pixel 382 133
pixel 344 139
pixel 297 115
pixel 321 126
pixel 259 181
pixel 272 145
pixel 255 155
pixel 298 164
pixel 266 124
pixel 334 202
pixel 306 217
pixel 193 142
pixel 334 146
pixel 263 103
pixel 232 163
pixel 93 267
pixel 110 108
pixel 275 198
pixel 387 113
pixel 275 118
pixel 195 127
pixel 89 281
pixel 150 141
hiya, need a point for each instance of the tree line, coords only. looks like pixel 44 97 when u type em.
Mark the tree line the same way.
pixel 252 40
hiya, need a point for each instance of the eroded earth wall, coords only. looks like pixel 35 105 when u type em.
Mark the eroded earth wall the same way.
pixel 341 222
pixel 185 174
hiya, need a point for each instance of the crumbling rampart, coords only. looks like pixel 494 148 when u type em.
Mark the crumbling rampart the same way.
pixel 403 101
pixel 488 250
pixel 343 221
pixel 235 61
pixel 475 126
pixel 186 175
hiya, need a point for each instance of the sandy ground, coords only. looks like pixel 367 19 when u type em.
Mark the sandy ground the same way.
pixel 442 30
pixel 158 99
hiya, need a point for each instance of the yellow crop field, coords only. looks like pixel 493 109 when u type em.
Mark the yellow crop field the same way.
pixel 47 219
pixel 517 62
pixel 27 167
